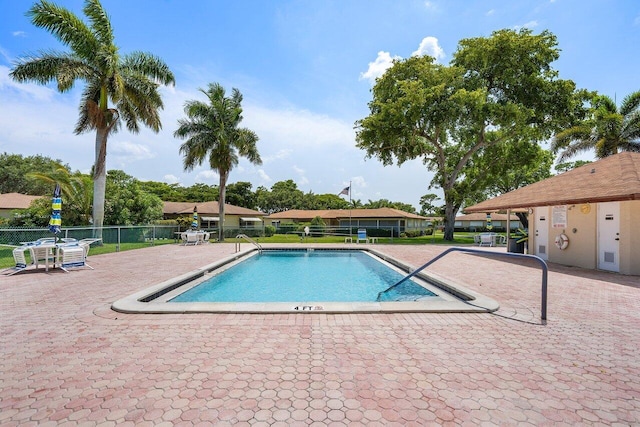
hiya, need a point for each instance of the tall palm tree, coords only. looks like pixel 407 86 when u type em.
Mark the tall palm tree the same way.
pixel 212 133
pixel 608 130
pixel 129 82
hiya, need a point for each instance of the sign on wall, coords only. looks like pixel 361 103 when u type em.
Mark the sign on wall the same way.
pixel 559 216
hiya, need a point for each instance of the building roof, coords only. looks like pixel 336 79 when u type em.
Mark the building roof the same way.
pixel 16 200
pixel 206 208
pixel 307 215
pixel 614 178
pixel 479 216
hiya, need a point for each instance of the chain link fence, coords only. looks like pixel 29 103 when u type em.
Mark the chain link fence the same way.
pixel 114 234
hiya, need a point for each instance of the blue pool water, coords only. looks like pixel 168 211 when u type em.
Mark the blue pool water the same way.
pixel 297 276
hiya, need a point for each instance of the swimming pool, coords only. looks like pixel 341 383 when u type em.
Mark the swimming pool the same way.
pixel 294 276
pixel 163 297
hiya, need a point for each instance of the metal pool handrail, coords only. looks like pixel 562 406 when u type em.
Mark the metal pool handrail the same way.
pixel 542 263
pixel 248 239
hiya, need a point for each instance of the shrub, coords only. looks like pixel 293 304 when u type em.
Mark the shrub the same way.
pixel 269 230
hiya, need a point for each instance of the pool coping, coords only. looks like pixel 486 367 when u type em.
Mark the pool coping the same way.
pixel 463 300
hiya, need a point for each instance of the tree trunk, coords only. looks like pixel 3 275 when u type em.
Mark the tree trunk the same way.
pixel 221 203
pixel 449 221
pixel 524 219
pixel 99 180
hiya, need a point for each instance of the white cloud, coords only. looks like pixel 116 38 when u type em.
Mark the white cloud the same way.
pixel 490 12
pixel 263 176
pixel 296 130
pixel 127 151
pixel 302 181
pixel 530 25
pixel 171 179
pixel 429 46
pixel 25 90
pixel 377 68
pixel 430 5
pixel 19 34
pixel 359 181
pixel 279 155
pixel 208 177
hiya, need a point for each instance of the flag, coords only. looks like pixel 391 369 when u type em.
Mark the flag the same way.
pixel 345 191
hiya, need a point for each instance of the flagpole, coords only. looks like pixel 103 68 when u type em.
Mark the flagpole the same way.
pixel 350 205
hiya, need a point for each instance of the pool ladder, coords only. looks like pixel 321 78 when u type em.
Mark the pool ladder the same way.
pixel 248 239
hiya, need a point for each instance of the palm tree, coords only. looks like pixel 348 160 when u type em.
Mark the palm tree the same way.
pixel 76 193
pixel 608 130
pixel 129 82
pixel 212 133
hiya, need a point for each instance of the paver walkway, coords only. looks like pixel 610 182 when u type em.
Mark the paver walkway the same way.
pixel 67 359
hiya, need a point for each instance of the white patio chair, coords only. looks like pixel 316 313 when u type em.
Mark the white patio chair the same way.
pixel 192 239
pixel 362 235
pixel 486 239
pixel 44 252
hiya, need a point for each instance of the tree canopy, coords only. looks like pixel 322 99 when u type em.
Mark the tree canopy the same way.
pixel 127 203
pixel 15 169
pixel 497 90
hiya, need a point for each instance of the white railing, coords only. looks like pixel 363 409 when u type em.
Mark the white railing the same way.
pixel 241 237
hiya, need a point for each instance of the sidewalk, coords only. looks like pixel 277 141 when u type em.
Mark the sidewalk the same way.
pixel 66 358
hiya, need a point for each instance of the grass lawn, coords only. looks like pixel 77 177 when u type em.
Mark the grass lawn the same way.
pixel 6 255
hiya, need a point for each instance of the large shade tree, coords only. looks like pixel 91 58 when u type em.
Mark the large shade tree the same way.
pixel 118 88
pixel 607 130
pixel 15 169
pixel 497 90
pixel 212 133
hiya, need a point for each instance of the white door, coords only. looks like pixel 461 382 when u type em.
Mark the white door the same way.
pixel 542 232
pixel 609 236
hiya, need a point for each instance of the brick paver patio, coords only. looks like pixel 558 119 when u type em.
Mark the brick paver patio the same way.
pixel 67 359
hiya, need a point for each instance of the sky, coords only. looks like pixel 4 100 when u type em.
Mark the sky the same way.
pixel 305 70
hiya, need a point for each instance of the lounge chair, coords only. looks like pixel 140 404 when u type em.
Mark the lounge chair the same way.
pixel 362 235
pixel 20 259
pixel 86 244
pixel 72 256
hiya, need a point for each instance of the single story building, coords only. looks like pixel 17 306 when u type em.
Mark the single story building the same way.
pixel 209 214
pixel 478 222
pixel 381 218
pixel 10 202
pixel 587 217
